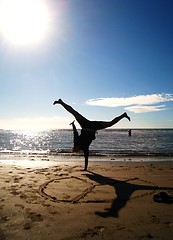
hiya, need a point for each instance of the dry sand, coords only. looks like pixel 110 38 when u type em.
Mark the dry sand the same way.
pixel 42 200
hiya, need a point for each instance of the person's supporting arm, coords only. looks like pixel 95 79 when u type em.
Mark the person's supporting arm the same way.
pixel 86 155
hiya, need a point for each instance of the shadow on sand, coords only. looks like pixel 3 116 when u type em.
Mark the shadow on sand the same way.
pixel 123 190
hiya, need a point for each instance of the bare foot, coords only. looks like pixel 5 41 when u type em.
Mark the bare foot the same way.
pixel 72 123
pixel 125 115
pixel 57 102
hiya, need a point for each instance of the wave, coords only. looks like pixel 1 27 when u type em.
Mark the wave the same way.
pixel 68 152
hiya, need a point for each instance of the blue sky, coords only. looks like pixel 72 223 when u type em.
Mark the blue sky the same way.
pixel 103 57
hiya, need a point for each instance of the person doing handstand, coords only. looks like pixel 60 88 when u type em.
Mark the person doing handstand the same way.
pixel 89 128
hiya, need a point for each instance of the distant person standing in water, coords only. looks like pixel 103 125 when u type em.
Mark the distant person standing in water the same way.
pixel 89 128
pixel 130 132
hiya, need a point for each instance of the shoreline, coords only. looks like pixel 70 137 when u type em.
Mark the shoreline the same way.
pixel 43 200
pixel 78 158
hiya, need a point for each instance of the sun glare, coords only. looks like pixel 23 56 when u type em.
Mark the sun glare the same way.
pixel 24 22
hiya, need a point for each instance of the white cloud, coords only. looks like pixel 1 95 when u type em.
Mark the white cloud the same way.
pixel 140 99
pixel 140 102
pixel 145 108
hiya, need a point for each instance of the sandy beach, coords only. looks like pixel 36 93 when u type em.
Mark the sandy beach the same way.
pixel 59 201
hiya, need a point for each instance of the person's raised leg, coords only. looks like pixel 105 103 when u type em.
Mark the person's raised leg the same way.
pixel 81 120
pixel 66 106
pixel 117 119
pixel 105 124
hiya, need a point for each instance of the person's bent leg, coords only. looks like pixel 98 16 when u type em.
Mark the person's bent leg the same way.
pixel 73 126
pixel 76 147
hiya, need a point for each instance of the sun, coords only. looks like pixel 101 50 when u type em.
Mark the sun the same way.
pixel 24 22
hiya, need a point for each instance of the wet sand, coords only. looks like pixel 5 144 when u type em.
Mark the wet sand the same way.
pixel 59 201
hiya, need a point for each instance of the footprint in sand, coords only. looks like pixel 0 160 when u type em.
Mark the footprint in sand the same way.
pixel 34 217
pixel 19 206
pixel 8 180
pixel 17 179
pixel 4 219
pixel 27 225
pixel 155 219
pixel 92 232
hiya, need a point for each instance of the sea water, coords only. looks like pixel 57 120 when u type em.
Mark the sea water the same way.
pixel 112 142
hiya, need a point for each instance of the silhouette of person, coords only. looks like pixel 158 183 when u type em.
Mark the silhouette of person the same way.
pixel 89 128
pixel 83 141
pixel 130 132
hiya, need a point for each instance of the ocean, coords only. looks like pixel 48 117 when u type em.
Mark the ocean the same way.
pixel 110 142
